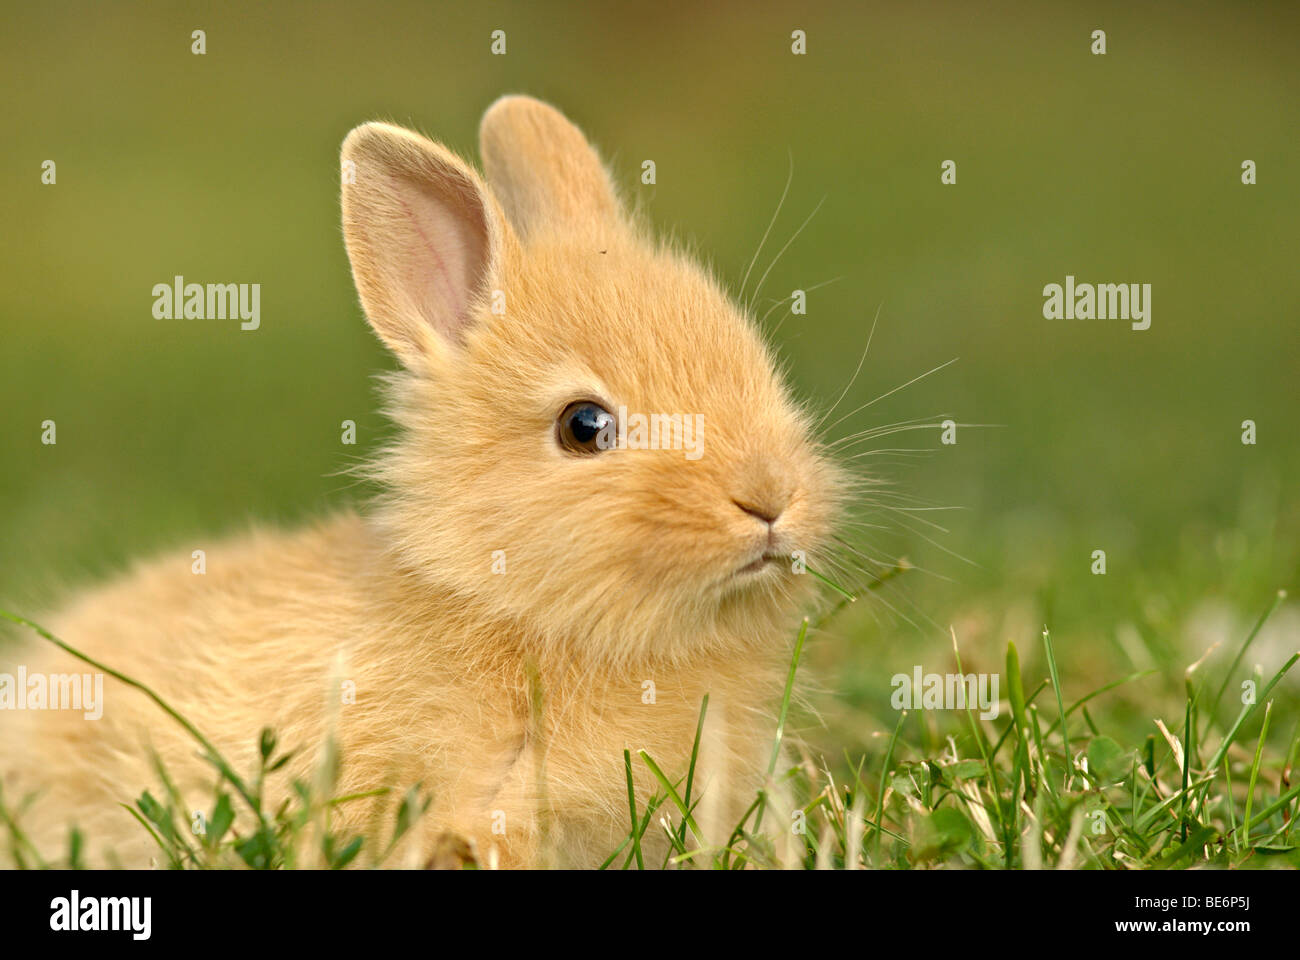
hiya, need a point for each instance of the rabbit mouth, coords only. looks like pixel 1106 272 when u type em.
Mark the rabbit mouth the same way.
pixel 759 565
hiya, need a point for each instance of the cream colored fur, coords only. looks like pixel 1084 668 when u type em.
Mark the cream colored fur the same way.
pixel 620 566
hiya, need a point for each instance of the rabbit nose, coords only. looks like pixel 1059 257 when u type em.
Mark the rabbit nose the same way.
pixel 767 490
pixel 766 512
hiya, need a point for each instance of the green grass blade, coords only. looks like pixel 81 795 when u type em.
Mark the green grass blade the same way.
pixel 1060 705
pixel 1212 713
pixel 1247 711
pixel 672 794
pixel 1254 774
pixel 631 803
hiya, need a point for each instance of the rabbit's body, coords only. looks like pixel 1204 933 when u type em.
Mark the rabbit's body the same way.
pixel 510 538
pixel 444 696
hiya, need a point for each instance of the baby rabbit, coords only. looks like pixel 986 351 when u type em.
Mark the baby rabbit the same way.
pixel 539 586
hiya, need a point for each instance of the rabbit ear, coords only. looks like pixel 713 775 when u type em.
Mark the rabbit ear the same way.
pixel 543 170
pixel 423 234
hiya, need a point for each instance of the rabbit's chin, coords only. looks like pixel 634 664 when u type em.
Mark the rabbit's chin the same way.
pixel 746 613
pixel 750 611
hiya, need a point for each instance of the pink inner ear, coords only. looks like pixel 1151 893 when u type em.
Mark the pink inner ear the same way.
pixel 436 256
pixel 438 282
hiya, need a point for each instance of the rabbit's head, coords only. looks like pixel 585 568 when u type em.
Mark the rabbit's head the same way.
pixel 595 442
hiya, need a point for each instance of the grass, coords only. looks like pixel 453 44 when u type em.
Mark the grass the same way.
pixel 150 417
pixel 1104 445
pixel 1016 791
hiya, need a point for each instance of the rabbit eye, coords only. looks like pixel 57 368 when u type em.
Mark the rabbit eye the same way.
pixel 586 427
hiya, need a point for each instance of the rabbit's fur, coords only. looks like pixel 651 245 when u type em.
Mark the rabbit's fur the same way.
pixel 509 695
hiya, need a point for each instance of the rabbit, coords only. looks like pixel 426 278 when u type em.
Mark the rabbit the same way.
pixel 523 600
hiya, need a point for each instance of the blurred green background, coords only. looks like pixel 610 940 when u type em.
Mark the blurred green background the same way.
pixel 1117 168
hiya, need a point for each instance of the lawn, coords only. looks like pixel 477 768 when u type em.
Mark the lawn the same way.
pixel 1073 437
